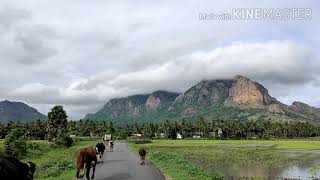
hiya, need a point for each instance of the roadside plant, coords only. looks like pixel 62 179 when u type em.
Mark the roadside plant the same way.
pixel 15 143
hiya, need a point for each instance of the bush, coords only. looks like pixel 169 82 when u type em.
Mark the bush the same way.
pixel 141 141
pixel 33 146
pixel 64 140
pixel 15 143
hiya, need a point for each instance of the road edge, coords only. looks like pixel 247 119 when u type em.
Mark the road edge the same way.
pixel 164 175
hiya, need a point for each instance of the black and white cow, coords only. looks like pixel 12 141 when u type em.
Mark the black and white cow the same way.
pixel 11 168
pixel 100 147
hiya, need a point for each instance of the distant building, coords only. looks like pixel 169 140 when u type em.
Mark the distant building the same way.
pixel 162 135
pixel 179 136
pixel 137 135
pixel 107 137
pixel 212 134
pixel 219 132
pixel 196 136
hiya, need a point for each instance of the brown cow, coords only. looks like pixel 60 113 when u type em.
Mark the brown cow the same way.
pixel 142 153
pixel 85 157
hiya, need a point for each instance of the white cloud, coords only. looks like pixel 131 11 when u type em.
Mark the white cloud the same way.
pixel 280 62
pixel 80 53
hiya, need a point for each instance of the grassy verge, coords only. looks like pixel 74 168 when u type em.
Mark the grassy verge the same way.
pixel 213 159
pixel 54 162
pixel 173 165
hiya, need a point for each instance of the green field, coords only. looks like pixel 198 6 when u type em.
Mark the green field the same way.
pixel 217 159
pixel 195 159
pixel 54 162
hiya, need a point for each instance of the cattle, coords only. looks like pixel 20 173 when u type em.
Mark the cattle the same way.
pixel 111 145
pixel 11 168
pixel 99 152
pixel 85 158
pixel 142 154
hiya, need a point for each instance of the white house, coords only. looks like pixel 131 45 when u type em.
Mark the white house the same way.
pixel 137 135
pixel 219 132
pixel 162 135
pixel 196 136
pixel 107 137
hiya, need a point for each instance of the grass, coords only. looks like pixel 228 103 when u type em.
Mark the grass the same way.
pixel 54 162
pixel 173 165
pixel 184 159
pixel 1 146
pixel 280 144
pixel 213 159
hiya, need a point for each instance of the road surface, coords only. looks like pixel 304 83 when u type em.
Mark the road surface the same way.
pixel 122 164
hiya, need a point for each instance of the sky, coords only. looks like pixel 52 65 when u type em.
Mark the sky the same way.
pixel 81 53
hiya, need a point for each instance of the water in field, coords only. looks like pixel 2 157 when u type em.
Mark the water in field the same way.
pixel 263 163
pixel 293 172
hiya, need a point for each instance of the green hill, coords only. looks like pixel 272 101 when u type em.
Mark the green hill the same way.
pixel 18 111
pixel 232 99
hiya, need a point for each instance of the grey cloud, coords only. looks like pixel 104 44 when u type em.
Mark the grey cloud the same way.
pixel 39 93
pixel 22 40
pixel 33 50
pixel 10 17
pixel 161 52
pixel 277 63
pixel 62 54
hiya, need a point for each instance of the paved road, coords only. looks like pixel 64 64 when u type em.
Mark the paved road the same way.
pixel 122 164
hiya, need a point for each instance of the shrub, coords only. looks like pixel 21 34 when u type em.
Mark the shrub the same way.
pixel 15 143
pixel 64 140
pixel 141 141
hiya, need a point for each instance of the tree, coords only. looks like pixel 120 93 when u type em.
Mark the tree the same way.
pixel 65 140
pixel 15 143
pixel 57 122
pixel 110 127
pixel 36 129
pixel 3 131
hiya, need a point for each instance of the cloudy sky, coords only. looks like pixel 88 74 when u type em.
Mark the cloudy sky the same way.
pixel 81 53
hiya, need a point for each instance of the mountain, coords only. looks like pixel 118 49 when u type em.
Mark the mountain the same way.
pixel 239 98
pixel 17 111
pixel 135 107
pixel 205 92
pixel 247 92
pixel 305 111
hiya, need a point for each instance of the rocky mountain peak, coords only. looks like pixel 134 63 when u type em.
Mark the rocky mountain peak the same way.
pixel 305 109
pixel 206 91
pixel 300 104
pixel 206 98
pixel 157 97
pixel 247 92
pixel 303 106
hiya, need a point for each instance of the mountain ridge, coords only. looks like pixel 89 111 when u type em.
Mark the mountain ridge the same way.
pixel 239 94
pixel 18 111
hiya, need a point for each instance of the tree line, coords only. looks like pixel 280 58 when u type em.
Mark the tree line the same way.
pixel 58 126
